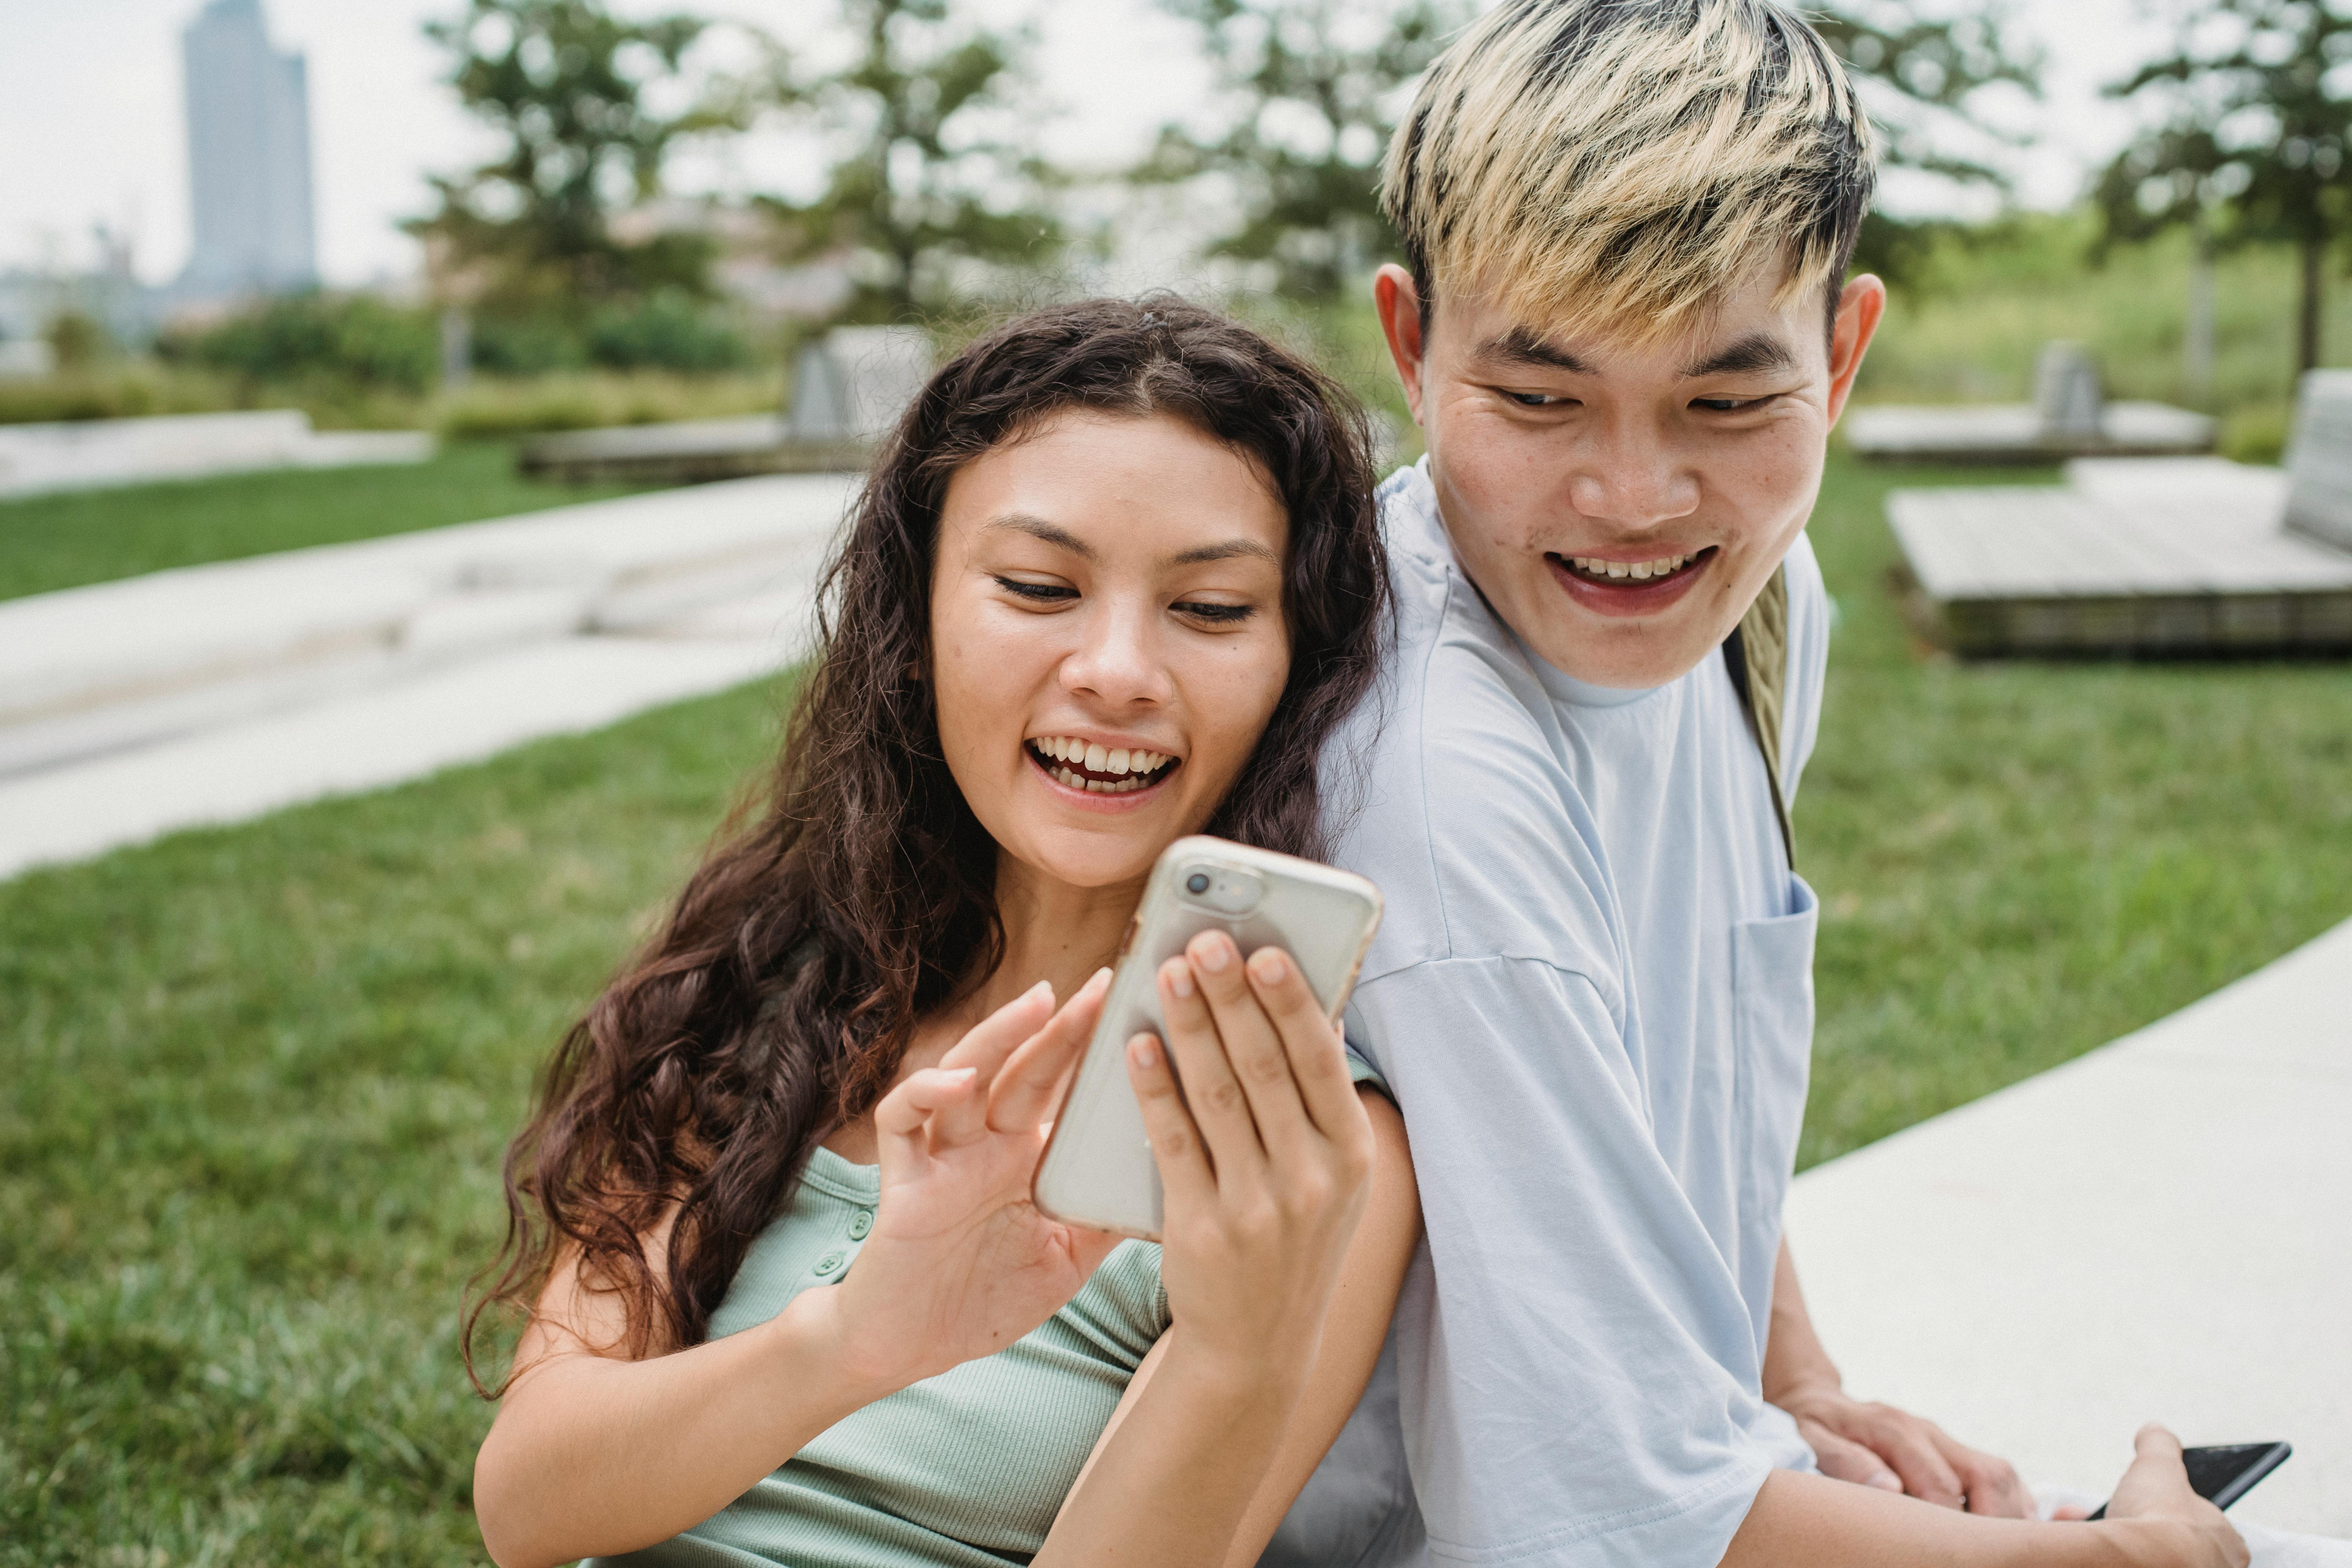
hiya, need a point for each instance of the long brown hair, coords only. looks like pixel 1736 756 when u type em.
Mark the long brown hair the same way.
pixel 777 999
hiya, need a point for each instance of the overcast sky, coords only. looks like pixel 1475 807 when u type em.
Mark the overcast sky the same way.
pixel 91 128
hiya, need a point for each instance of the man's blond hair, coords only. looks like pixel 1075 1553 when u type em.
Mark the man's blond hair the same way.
pixel 1614 166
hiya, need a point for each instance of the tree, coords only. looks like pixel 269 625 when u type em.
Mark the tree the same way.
pixel 2254 145
pixel 929 184
pixel 1924 80
pixel 565 82
pixel 1313 88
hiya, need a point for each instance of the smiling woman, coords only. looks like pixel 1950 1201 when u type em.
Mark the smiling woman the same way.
pixel 1114 580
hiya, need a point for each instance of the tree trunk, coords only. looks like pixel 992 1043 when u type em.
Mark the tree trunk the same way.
pixel 2306 336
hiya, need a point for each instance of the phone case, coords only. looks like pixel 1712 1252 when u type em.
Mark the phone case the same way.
pixel 1098 1170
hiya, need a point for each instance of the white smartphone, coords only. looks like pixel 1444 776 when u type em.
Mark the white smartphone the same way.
pixel 1098 1170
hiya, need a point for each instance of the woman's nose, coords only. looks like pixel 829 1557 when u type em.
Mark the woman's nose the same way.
pixel 1119 660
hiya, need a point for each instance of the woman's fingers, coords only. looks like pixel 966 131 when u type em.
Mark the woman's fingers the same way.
pixel 1176 1143
pixel 1252 1047
pixel 1316 1058
pixel 984 1050
pixel 1029 1084
pixel 903 1121
pixel 1219 1105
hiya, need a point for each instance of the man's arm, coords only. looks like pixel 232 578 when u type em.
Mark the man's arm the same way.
pixel 1875 1445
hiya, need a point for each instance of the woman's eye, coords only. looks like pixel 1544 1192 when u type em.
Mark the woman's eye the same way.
pixel 1037 593
pixel 1216 615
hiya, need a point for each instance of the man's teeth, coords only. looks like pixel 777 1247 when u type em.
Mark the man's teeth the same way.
pixel 1638 571
pixel 1129 768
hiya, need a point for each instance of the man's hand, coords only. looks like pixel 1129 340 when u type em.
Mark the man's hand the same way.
pixel 1879 1445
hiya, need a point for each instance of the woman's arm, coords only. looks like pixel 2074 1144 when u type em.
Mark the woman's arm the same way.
pixel 1281 1298
pixel 1353 1334
pixel 594 1453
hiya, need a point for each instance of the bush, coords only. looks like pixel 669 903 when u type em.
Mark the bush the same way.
pixel 526 346
pixel 352 338
pixel 664 331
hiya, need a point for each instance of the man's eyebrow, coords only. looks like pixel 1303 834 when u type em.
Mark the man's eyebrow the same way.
pixel 1521 345
pixel 1744 356
pixel 1227 551
pixel 1051 533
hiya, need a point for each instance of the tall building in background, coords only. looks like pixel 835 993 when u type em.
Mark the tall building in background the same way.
pixel 248 157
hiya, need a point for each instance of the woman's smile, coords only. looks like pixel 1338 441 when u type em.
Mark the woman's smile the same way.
pixel 1105 772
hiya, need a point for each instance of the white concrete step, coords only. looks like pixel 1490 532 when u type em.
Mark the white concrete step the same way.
pixel 115 664
pixel 95 453
pixel 2159 1230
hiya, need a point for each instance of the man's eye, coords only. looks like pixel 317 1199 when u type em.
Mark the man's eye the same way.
pixel 1728 405
pixel 1534 399
pixel 1037 593
pixel 1217 615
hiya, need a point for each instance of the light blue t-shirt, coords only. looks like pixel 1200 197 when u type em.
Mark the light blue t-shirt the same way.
pixel 1591 995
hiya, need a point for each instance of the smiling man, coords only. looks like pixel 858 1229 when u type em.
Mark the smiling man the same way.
pixel 1625 332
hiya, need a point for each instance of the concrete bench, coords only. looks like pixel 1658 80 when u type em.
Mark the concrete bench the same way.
pixel 2153 556
pixel 120 663
pixel 848 390
pixel 2069 416
pixel 94 454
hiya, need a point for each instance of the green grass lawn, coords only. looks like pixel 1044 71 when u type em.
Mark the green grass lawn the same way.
pixel 254 1081
pixel 95 536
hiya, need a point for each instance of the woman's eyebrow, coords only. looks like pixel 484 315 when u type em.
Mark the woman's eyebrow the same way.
pixel 1051 533
pixel 1227 551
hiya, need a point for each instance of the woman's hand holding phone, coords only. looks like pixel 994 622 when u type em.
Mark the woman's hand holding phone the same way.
pixel 2161 1519
pixel 1266 1157
pixel 959 1262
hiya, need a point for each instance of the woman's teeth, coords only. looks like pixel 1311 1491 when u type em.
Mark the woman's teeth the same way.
pixel 1099 769
pixel 1629 570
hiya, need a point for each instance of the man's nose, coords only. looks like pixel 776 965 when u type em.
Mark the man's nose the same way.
pixel 1118 660
pixel 1634 477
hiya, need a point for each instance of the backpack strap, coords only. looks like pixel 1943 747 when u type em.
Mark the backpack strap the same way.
pixel 1757 653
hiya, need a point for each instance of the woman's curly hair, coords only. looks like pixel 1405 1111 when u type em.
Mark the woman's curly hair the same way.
pixel 777 998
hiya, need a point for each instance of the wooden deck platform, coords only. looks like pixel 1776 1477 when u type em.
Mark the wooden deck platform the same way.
pixel 2016 434
pixel 2161 558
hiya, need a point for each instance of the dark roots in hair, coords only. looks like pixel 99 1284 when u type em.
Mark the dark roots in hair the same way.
pixel 777 999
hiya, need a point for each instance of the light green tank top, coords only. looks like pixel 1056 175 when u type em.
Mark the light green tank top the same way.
pixel 966 1469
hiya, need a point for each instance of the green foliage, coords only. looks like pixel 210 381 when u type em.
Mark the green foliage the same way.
pixel 64 541
pixel 1313 90
pixel 919 189
pixel 356 338
pixel 2255 145
pixel 666 332
pixel 2020 861
pixel 494 407
pixel 253 1086
pixel 565 83
pixel 78 340
pixel 1985 300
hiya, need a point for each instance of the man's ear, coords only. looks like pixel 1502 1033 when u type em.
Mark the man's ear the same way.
pixel 1399 304
pixel 1861 306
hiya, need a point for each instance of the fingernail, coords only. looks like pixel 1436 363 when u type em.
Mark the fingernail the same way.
pixel 1210 953
pixel 1267 963
pixel 958 1074
pixel 1100 976
pixel 1143 1052
pixel 1887 1482
pixel 1043 988
pixel 1178 975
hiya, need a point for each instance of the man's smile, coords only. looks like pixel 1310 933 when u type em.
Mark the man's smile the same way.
pixel 1629 588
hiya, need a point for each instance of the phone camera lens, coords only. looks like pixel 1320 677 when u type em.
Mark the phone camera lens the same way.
pixel 1197 883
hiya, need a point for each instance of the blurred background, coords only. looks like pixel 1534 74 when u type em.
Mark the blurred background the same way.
pixel 256 1078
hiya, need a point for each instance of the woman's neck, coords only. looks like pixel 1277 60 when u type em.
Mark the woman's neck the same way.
pixel 1054 931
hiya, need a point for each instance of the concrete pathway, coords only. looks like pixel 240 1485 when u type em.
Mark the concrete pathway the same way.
pixel 215 693
pixel 2159 1230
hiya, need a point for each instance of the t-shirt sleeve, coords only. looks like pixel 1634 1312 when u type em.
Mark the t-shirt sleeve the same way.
pixel 1566 1343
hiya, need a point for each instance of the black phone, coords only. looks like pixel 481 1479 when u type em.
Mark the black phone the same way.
pixel 2224 1474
